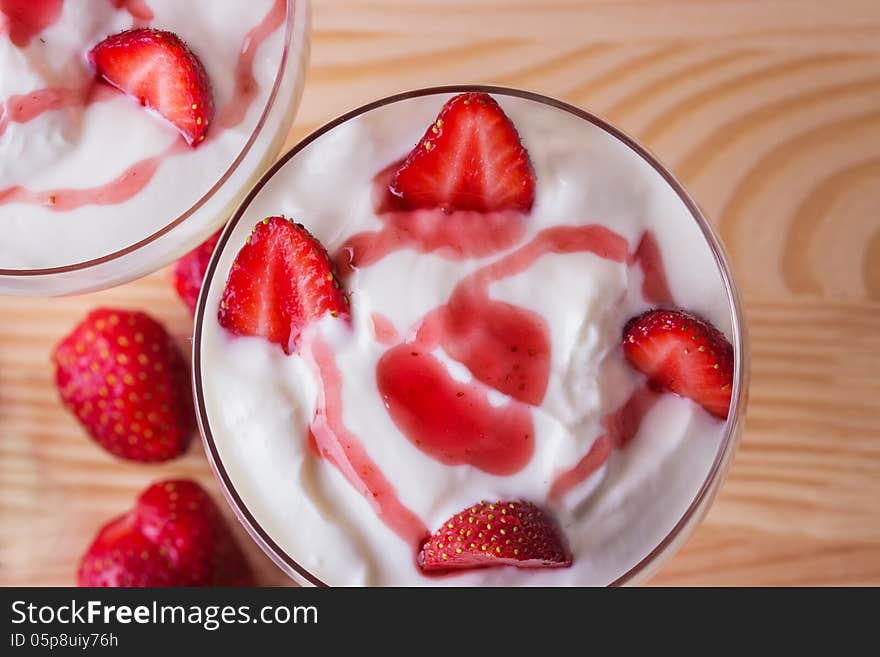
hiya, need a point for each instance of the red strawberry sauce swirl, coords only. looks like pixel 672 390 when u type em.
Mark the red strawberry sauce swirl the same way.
pixel 506 349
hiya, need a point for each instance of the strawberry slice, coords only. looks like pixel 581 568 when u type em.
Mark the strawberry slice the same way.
pixel 501 534
pixel 470 158
pixel 161 72
pixel 281 281
pixel 174 536
pixel 189 272
pixel 684 354
pixel 127 382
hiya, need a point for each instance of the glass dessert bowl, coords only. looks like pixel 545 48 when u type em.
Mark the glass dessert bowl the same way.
pixel 96 190
pixel 520 360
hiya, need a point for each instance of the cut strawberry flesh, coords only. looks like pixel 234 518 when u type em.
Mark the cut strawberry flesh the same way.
pixel 281 281
pixel 684 354
pixel 161 72
pixel 470 158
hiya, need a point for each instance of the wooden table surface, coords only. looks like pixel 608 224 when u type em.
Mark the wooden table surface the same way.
pixel 769 110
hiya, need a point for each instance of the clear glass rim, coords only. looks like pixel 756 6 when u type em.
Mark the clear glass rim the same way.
pixel 207 196
pixel 733 428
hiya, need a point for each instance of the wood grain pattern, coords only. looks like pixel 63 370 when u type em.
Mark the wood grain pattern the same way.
pixel 769 110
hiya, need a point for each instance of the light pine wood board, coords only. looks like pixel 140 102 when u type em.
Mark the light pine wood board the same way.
pixel 769 110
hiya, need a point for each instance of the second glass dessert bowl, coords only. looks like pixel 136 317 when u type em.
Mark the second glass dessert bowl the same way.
pixel 488 376
pixel 95 192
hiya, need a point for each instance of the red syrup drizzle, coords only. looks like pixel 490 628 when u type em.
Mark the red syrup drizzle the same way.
pixel 384 331
pixel 655 288
pixel 25 19
pixel 453 235
pixel 137 176
pixel 622 425
pixel 28 18
pixel 27 107
pixel 450 421
pixel 118 190
pixel 505 348
pixel 569 479
pixel 334 442
pixel 139 10
pixel 246 86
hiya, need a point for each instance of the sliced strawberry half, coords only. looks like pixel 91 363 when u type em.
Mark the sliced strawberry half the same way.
pixel 684 354
pixel 501 534
pixel 189 272
pixel 281 281
pixel 161 72
pixel 471 158
pixel 174 536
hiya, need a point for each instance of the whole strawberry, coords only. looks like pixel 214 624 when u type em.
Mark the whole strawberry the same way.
pixel 127 382
pixel 189 272
pixel 174 536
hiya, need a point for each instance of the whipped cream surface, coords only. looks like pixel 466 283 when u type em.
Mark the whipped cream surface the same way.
pixel 260 403
pixel 84 170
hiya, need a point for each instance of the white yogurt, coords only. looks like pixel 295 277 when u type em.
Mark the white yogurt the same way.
pixel 84 146
pixel 259 402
